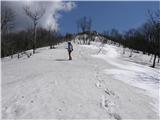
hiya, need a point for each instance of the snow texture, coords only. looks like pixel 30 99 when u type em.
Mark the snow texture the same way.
pixel 91 86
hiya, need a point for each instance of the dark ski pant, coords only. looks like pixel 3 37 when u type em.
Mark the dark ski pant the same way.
pixel 69 53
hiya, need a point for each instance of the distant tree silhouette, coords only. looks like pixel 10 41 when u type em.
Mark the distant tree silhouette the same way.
pixel 7 24
pixel 154 33
pixel 85 24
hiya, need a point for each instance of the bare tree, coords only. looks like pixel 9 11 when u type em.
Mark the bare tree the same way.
pixel 7 18
pixel 130 36
pixel 154 22
pixel 52 34
pixel 7 23
pixel 34 16
pixel 85 24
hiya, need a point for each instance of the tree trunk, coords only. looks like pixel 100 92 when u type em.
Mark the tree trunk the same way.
pixel 123 50
pixel 34 40
pixel 158 59
pixel 12 54
pixel 154 61
pixel 18 55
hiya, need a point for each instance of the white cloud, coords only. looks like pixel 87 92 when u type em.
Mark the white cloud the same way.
pixel 52 15
pixel 49 19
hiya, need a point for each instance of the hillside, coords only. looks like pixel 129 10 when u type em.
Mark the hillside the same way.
pixel 92 85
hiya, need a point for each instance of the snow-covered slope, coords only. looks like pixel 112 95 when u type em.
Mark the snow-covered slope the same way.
pixel 47 85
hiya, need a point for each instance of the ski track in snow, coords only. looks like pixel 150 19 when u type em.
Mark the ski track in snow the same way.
pixel 47 85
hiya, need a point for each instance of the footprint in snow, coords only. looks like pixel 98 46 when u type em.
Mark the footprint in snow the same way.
pixel 98 84
pixel 107 104
pixel 13 111
pixel 116 116
pixel 22 96
pixel 109 92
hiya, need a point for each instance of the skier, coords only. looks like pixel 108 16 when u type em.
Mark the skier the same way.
pixel 70 49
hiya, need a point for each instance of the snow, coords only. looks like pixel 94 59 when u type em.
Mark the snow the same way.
pixel 91 86
pixel 137 75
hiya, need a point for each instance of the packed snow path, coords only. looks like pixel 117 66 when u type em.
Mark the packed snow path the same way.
pixel 47 85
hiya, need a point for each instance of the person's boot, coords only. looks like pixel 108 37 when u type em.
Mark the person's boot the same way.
pixel 70 58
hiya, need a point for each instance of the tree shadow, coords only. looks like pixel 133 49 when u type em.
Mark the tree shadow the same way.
pixel 61 60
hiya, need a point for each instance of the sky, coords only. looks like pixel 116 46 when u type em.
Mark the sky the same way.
pixel 105 15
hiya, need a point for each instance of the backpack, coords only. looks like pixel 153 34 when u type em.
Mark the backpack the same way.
pixel 71 47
